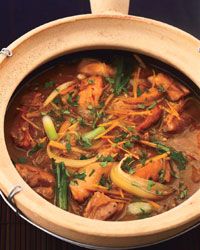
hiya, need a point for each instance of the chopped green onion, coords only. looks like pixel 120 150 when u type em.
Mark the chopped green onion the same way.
pixel 49 128
pixel 92 134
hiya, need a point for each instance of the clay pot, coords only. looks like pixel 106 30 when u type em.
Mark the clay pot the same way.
pixel 106 28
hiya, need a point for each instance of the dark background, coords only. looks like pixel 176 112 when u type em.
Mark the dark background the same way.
pixel 20 16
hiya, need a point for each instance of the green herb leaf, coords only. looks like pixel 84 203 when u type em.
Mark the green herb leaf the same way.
pixel 22 160
pixel 80 176
pixel 135 137
pixel 90 81
pixel 127 165
pixel 68 147
pixel 162 175
pixel 35 149
pixel 161 89
pixel 139 91
pixel 57 100
pixel 104 164
pixel 128 145
pixel 66 112
pixel 110 80
pixel 92 172
pixel 121 137
pixel 143 158
pixel 152 105
pixel 105 182
pixel 49 84
pixel 83 157
pixel 150 185
pixel 141 106
pixel 72 120
pixel 179 159
pixel 71 100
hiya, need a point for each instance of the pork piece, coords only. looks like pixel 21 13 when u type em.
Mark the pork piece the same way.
pixel 102 207
pixel 41 181
pixel 20 133
pixel 91 92
pixel 83 188
pixel 33 99
pixel 89 95
pixel 173 124
pixel 151 119
pixel 175 91
pixel 195 174
pixel 91 67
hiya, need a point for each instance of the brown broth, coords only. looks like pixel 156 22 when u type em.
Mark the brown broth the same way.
pixel 64 70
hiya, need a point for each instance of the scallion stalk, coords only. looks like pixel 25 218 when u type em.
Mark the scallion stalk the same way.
pixel 92 134
pixel 49 128
pixel 62 186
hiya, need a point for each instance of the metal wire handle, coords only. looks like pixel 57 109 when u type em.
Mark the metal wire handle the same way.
pixel 6 52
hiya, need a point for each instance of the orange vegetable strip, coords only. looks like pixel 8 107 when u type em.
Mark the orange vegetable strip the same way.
pixel 155 158
pixel 107 130
pixel 31 123
pixel 64 127
pixel 174 112
pixel 128 112
pixel 154 204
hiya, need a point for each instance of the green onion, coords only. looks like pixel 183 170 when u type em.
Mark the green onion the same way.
pixel 61 186
pixel 138 208
pixel 92 134
pixel 49 127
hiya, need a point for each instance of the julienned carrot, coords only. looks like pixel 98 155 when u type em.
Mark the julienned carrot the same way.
pixel 64 127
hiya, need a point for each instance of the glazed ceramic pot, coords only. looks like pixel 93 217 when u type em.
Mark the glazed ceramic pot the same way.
pixel 107 28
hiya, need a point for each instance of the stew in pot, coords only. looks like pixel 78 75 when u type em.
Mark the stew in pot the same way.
pixel 107 139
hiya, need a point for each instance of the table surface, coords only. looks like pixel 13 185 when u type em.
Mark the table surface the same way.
pixel 18 17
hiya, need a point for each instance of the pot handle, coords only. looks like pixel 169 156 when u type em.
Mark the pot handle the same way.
pixel 110 6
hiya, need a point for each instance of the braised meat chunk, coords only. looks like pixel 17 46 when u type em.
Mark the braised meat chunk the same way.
pixel 101 207
pixel 40 180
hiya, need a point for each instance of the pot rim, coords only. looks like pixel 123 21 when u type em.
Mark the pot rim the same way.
pixel 94 227
pixel 40 28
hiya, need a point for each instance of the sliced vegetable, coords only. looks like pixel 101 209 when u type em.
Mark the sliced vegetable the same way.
pixel 49 128
pixel 56 92
pixel 124 69
pixel 138 186
pixel 92 134
pixel 71 163
pixel 61 186
pixel 139 208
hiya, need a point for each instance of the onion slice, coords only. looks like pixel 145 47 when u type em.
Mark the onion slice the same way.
pixel 138 186
pixel 71 163
pixel 56 92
